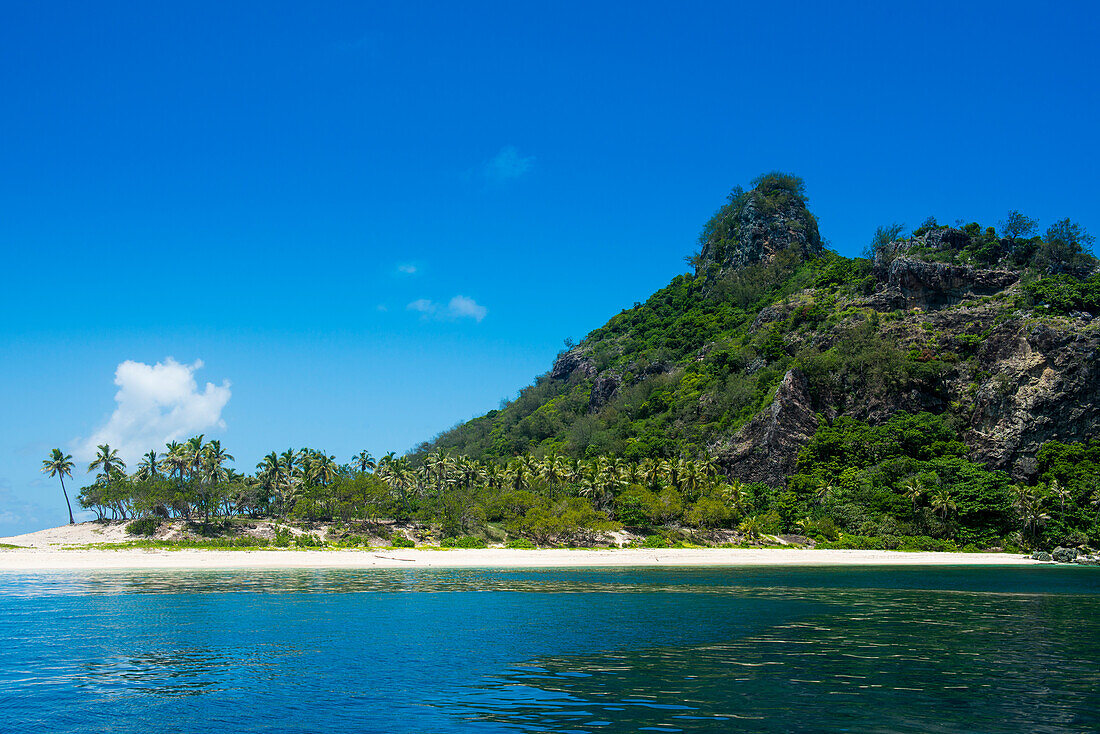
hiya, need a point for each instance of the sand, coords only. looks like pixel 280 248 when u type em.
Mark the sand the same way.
pixel 45 550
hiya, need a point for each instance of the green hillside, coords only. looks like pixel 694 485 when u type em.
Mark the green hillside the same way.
pixel 681 373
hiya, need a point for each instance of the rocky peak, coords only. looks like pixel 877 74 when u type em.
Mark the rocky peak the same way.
pixel 757 225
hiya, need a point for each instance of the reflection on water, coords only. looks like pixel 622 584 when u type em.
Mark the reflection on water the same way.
pixel 395 650
pixel 898 662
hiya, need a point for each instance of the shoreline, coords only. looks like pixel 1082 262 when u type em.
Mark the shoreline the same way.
pixel 40 559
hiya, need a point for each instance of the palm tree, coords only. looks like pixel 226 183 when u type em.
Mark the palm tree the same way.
pixel 193 450
pixel 365 462
pixel 1061 494
pixel 751 527
pixel 108 460
pixel 734 495
pixel 214 456
pixel 914 490
pixel 149 466
pixel 942 504
pixel 175 458
pixel 1029 507
pixel 287 461
pixel 60 465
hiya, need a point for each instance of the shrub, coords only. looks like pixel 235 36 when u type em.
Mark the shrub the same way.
pixel 468 541
pixel 283 537
pixel 144 526
pixel 309 540
pixel 822 529
pixel 520 544
pixel 400 541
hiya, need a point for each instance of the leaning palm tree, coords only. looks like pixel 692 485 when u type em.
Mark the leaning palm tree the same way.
pixel 60 465
pixel 109 461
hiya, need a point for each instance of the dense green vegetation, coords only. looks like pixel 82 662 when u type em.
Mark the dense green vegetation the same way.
pixel 621 432
pixel 904 484
pixel 910 477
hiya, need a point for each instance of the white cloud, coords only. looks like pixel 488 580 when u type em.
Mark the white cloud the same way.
pixel 507 164
pixel 407 268
pixel 424 306
pixel 463 307
pixel 157 404
pixel 460 307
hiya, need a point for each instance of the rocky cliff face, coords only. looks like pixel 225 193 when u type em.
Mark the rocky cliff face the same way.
pixel 766 449
pixel 907 279
pixel 1041 382
pixel 1029 380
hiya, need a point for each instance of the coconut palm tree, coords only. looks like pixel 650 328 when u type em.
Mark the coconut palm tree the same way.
pixel 364 462
pixel 942 504
pixel 914 490
pixel 327 469
pixel 60 465
pixel 652 471
pixel 752 527
pixel 1060 493
pixel 149 466
pixel 1029 508
pixel 214 458
pixel 175 459
pixel 734 495
pixel 193 450
pixel 108 460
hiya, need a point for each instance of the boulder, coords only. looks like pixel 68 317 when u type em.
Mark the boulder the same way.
pixel 1064 555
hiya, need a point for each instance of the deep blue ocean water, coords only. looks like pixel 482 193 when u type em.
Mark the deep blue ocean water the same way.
pixel 947 649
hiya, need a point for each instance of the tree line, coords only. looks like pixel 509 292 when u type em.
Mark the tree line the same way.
pixel 852 479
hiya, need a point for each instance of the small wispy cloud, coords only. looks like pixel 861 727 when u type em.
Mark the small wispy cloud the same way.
pixel 462 307
pixel 424 306
pixel 508 164
pixel 407 269
pixel 156 404
pixel 459 307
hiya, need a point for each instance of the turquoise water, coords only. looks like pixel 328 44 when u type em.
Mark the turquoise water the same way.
pixel 761 649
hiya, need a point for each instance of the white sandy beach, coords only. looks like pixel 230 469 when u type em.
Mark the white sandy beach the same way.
pixel 45 559
pixel 45 550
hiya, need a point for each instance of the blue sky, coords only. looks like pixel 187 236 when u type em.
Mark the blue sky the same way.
pixel 370 221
